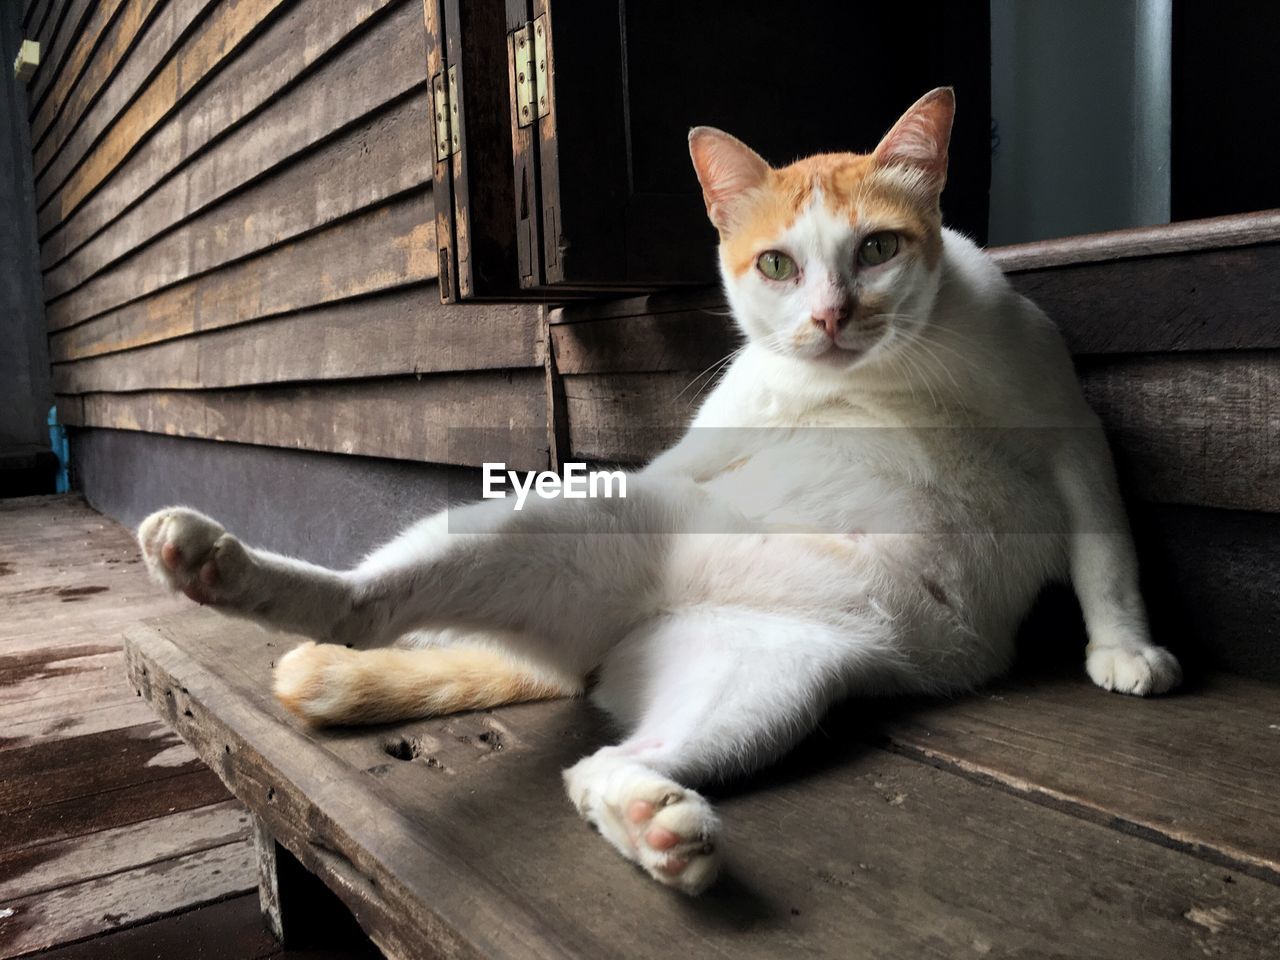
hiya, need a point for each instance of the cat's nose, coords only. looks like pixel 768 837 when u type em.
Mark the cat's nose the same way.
pixel 831 318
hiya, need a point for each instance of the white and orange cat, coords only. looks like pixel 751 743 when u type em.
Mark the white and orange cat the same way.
pixel 868 502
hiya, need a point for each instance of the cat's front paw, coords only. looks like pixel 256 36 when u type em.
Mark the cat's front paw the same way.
pixel 670 831
pixel 189 553
pixel 1144 672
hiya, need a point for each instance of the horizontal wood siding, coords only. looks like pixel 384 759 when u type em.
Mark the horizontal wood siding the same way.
pixel 237 236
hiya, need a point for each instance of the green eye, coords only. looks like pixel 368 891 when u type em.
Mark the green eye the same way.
pixel 776 265
pixel 878 248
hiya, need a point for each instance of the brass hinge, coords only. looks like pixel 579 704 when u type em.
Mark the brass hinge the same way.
pixel 444 88
pixel 533 92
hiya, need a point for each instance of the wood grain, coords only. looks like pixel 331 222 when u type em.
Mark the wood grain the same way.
pixel 138 59
pixel 53 57
pixel 1196 429
pixel 96 29
pixel 843 851
pixel 396 244
pixel 63 862
pixel 1196 770
pixel 369 165
pixel 406 331
pixel 453 419
pixel 219 37
pixel 133 896
pixel 1214 233
pixel 304 78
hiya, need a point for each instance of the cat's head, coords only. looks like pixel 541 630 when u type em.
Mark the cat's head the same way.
pixel 836 256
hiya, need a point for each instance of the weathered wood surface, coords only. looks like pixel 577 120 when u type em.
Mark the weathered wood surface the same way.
pixel 397 248
pixel 341 178
pixel 404 331
pixel 55 88
pixel 307 76
pixel 71 98
pixel 106 818
pixel 35 870
pixel 138 59
pixel 1199 770
pixel 218 37
pixel 458 419
pixel 53 58
pixel 230 929
pixel 132 896
pixel 845 850
pixel 1217 232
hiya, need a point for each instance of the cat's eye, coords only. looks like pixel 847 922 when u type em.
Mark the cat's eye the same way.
pixel 878 248
pixel 776 265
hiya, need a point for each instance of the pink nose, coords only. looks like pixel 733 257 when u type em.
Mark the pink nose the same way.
pixel 831 319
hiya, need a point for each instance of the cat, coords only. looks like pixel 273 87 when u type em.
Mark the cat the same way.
pixel 867 503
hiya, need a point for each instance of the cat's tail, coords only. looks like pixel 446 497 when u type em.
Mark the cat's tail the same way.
pixel 328 684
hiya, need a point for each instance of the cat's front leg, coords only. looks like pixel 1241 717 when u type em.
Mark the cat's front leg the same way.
pixel 1104 571
pixel 193 554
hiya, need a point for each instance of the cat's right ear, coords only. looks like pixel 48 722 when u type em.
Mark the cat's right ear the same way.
pixel 727 169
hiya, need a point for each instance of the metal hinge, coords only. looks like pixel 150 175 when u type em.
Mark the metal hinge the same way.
pixel 533 92
pixel 444 87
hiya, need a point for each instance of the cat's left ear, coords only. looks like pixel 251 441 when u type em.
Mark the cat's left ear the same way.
pixel 919 139
pixel 728 170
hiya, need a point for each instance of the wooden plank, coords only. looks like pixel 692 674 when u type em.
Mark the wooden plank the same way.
pixel 49 23
pixel 370 164
pixel 50 866
pixel 96 27
pixel 53 56
pixel 629 417
pixel 397 248
pixel 455 419
pixel 219 38
pixel 50 133
pixel 1199 770
pixel 229 929
pixel 1200 429
pixel 692 339
pixel 138 59
pixel 843 851
pixel 1224 299
pixel 405 331
pixel 1210 234
pixel 275 100
pixel 123 899
pixel 73 720
pixel 49 774
pixel 80 816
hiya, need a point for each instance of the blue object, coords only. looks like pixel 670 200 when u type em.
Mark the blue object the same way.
pixel 61 450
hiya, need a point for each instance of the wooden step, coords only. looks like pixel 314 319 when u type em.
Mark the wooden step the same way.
pixel 1058 818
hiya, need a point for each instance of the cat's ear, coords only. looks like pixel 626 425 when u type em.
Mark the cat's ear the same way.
pixel 920 137
pixel 727 169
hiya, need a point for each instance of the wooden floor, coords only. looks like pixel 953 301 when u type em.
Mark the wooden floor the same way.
pixel 115 840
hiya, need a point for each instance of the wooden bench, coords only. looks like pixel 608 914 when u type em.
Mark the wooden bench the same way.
pixel 1042 816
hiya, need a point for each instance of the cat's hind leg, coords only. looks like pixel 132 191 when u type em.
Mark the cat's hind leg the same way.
pixel 709 694
pixel 329 684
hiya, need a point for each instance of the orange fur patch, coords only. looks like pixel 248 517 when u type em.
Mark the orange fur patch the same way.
pixel 330 684
pixel 853 186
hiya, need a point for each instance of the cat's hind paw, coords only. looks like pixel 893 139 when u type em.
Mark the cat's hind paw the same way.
pixel 671 832
pixel 1144 672
pixel 189 553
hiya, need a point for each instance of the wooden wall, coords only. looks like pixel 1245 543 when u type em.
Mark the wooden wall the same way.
pixel 237 234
